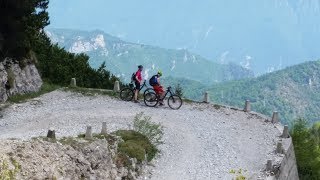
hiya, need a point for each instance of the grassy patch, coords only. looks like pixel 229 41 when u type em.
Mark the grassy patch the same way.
pixel 69 141
pixel 216 106
pixel 110 138
pixel 7 172
pixel 46 88
pixel 239 174
pixel 92 92
pixel 188 101
pixel 136 145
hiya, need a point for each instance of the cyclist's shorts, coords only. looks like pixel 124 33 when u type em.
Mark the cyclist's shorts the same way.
pixel 137 85
pixel 158 89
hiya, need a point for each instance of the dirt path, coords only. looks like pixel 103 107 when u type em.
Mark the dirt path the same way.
pixel 201 142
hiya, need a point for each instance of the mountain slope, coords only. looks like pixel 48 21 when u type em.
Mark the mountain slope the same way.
pixel 123 57
pixel 265 34
pixel 294 92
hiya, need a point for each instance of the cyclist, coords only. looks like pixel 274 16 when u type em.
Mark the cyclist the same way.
pixel 155 83
pixel 138 82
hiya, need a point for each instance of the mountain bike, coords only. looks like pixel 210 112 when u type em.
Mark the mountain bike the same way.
pixel 151 99
pixel 127 93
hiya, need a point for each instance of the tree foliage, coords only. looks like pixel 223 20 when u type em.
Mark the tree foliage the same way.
pixel 306 145
pixel 58 66
pixel 22 34
pixel 293 92
pixel 179 90
pixel 20 24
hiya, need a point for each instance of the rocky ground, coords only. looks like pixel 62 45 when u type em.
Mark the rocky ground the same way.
pixel 201 141
pixel 66 159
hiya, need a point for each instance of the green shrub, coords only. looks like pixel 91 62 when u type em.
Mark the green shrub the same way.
pixel 306 147
pixel 136 145
pixel 179 90
pixel 81 136
pixel 153 131
pixel 133 150
pixel 239 174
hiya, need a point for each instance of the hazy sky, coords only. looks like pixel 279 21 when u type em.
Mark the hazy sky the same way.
pixel 272 33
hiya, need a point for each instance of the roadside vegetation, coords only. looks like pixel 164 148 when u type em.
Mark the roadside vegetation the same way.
pixel 140 143
pixel 306 142
pixel 91 91
pixel 239 174
pixel 179 90
pixel 45 88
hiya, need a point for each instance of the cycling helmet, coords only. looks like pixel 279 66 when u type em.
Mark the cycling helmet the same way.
pixel 160 73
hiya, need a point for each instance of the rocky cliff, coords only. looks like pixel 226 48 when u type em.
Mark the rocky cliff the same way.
pixel 18 77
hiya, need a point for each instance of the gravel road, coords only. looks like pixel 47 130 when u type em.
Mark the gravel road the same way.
pixel 201 142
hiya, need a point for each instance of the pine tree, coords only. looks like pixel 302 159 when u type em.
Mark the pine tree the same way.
pixel 20 24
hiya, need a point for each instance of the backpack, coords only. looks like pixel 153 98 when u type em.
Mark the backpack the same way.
pixel 153 80
pixel 133 77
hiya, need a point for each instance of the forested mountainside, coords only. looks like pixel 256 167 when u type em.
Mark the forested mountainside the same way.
pixel 294 92
pixel 123 57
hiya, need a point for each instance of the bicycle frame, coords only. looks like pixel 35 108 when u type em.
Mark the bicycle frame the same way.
pixel 168 91
pixel 143 85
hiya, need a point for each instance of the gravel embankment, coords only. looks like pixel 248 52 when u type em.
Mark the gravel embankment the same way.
pixel 201 142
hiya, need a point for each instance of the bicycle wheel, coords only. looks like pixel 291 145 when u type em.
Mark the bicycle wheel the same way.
pixel 175 102
pixel 147 91
pixel 126 94
pixel 150 99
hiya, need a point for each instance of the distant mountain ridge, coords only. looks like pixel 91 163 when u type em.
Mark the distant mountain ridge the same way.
pixel 294 92
pixel 123 57
pixel 264 35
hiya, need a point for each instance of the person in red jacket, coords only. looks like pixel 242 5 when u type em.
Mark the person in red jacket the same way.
pixel 138 82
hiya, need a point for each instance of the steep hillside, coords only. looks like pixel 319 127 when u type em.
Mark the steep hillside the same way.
pixel 122 57
pixel 294 92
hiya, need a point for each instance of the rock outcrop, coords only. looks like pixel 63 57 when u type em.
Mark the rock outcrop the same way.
pixel 67 158
pixel 18 78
